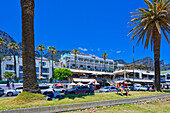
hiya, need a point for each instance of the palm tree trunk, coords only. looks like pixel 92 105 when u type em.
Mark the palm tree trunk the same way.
pixel 41 64
pixel 52 66
pixel 15 64
pixel 157 41
pixel 30 83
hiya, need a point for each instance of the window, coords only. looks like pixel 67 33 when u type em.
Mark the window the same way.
pixel 19 88
pixel 37 69
pixel 9 67
pixel 43 63
pixel 20 68
pixel 44 87
pixel 21 75
pixel 168 76
pixel 45 70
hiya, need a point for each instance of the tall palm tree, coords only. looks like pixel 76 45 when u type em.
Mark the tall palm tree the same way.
pixel 2 44
pixel 75 52
pixel 53 51
pixel 14 46
pixel 30 83
pixel 152 23
pixel 41 48
pixel 104 58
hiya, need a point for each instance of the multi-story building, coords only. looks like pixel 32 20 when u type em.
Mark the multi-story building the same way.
pixel 143 74
pixel 7 65
pixel 87 62
pixel 86 67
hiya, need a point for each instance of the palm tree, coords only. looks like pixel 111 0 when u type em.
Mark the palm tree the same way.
pixel 75 52
pixel 2 44
pixel 30 83
pixel 14 46
pixel 104 57
pixel 41 48
pixel 150 23
pixel 53 51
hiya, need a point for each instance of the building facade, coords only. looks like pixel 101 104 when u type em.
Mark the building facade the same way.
pixel 7 65
pixel 87 62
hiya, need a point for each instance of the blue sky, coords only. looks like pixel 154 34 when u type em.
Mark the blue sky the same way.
pixel 92 26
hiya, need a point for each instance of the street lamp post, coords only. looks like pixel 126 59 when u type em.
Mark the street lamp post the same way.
pixel 133 64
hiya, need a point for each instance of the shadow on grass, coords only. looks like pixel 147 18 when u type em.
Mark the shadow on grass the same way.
pixel 166 90
pixel 124 94
pixel 73 96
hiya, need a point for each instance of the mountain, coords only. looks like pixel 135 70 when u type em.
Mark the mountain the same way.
pixel 57 56
pixel 8 39
pixel 120 61
pixel 146 61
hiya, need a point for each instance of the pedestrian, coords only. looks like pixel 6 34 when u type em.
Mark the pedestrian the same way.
pixel 8 85
pixel 12 84
pixel 126 88
pixel 167 86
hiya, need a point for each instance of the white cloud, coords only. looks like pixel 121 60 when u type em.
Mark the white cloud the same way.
pixel 98 49
pixel 83 49
pixel 118 52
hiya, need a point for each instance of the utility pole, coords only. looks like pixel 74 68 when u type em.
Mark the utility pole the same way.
pixel 133 63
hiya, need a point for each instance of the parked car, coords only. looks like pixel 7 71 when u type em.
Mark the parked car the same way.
pixel 1 91
pixel 45 89
pixel 61 90
pixel 14 92
pixel 79 90
pixel 138 87
pixel 107 89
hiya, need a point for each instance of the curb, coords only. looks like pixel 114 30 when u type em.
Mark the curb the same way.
pixel 68 107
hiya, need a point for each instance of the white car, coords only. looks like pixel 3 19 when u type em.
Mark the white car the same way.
pixel 13 92
pixel 45 89
pixel 140 88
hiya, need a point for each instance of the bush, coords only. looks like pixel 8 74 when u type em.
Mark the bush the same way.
pixel 3 82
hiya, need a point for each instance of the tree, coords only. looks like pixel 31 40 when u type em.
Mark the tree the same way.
pixel 30 83
pixel 150 23
pixel 14 46
pixel 41 48
pixel 62 73
pixel 53 51
pixel 75 52
pixel 2 44
pixel 104 58
pixel 8 75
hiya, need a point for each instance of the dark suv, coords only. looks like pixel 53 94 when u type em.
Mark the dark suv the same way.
pixel 79 90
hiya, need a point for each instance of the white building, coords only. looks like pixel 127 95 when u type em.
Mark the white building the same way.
pixel 87 62
pixel 143 77
pixel 7 65
pixel 165 77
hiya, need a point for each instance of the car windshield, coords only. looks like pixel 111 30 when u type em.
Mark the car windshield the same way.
pixel 106 87
pixel 57 87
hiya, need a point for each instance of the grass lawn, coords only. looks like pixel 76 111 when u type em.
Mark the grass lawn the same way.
pixel 27 100
pixel 157 107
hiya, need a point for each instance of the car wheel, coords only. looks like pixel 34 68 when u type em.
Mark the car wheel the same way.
pixel 10 94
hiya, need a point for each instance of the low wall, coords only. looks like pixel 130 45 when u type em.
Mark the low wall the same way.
pixel 67 107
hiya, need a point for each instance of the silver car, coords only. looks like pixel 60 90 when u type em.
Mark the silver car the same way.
pixel 107 89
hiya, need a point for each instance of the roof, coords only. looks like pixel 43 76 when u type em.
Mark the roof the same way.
pixel 136 71
pixel 163 72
